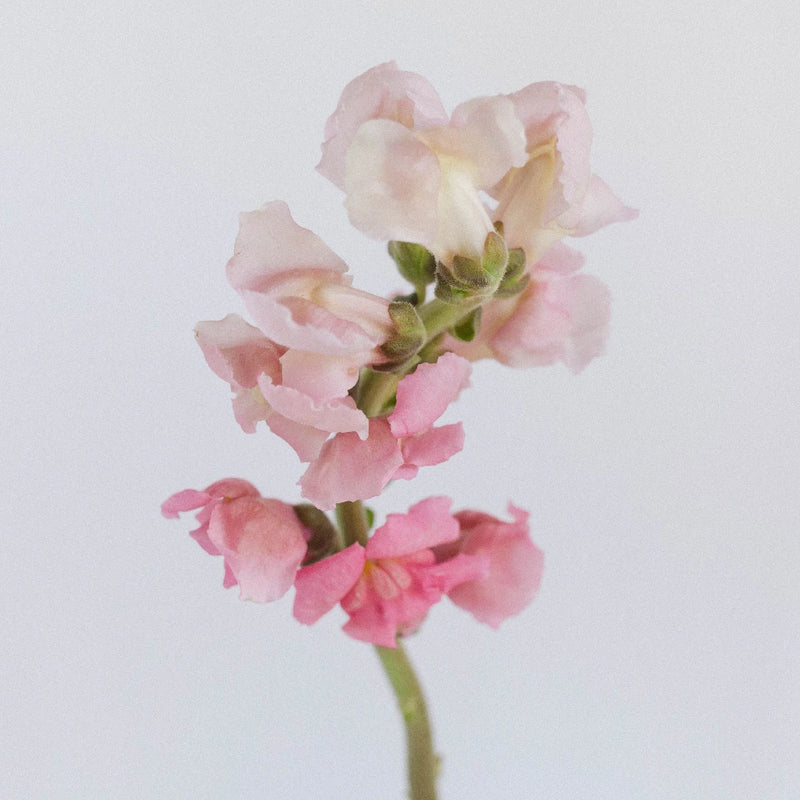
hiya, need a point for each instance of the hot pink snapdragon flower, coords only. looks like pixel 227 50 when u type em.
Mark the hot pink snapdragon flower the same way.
pixel 388 586
pixel 349 468
pixel 515 564
pixel 261 540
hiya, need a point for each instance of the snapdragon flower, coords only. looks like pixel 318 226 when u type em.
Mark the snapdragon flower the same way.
pixel 388 586
pixel 261 540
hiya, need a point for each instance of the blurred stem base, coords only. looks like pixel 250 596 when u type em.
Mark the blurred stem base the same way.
pixel 423 763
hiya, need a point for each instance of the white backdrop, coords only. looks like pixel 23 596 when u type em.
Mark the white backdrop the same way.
pixel 661 658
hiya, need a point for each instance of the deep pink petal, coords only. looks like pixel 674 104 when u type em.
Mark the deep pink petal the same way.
pixel 186 500
pixel 426 524
pixel 423 396
pixel 515 566
pixel 320 586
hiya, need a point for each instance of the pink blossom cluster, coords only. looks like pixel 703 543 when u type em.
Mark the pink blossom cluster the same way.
pixel 489 567
pixel 475 204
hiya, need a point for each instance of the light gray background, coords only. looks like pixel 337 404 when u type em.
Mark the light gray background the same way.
pixel 661 657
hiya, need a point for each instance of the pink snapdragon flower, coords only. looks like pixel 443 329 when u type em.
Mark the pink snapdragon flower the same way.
pixel 285 388
pixel 261 540
pixel 349 468
pixel 387 587
pixel 411 174
pixel 515 565
pixel 559 316
pixel 315 332
pixel 554 194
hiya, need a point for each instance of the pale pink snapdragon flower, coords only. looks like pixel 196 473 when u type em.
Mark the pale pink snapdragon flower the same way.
pixel 554 193
pixel 559 316
pixel 388 586
pixel 315 332
pixel 412 174
pixel 409 172
pixel 261 540
pixel 349 468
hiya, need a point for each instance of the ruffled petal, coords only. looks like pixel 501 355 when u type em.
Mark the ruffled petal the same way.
pixel 320 586
pixel 426 524
pixel 423 396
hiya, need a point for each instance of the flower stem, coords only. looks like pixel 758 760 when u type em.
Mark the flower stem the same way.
pixel 423 763
pixel 352 521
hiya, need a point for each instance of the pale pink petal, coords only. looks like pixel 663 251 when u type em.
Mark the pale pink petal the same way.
pixel 236 351
pixel 392 183
pixel 271 242
pixel 349 468
pixel 250 408
pixel 563 319
pixel 319 376
pixel 559 259
pixel 336 415
pixel 303 325
pixel 423 396
pixel 487 135
pixel 304 440
pixel 320 586
pixel 383 92
pixel 600 207
pixel 426 524
pixel 432 447
pixel 263 543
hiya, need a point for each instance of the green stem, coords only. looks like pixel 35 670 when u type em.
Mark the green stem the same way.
pixel 423 763
pixel 439 316
pixel 352 522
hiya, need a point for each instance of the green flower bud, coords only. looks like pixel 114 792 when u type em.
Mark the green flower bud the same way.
pixel 408 338
pixel 324 537
pixel 416 264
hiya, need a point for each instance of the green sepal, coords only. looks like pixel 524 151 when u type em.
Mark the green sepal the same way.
pixel 324 536
pixel 516 279
pixel 515 266
pixel 410 333
pixel 370 515
pixel 513 289
pixel 467 328
pixel 416 264
pixel 449 294
pixel 495 257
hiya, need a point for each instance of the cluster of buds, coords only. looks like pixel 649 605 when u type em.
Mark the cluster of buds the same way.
pixel 474 205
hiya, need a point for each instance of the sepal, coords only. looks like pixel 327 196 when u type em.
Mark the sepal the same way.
pixel 323 539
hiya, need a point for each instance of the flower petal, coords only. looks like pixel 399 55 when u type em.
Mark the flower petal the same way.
pixel 423 396
pixel 320 586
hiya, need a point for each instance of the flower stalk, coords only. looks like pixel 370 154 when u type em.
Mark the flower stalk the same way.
pixel 423 763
